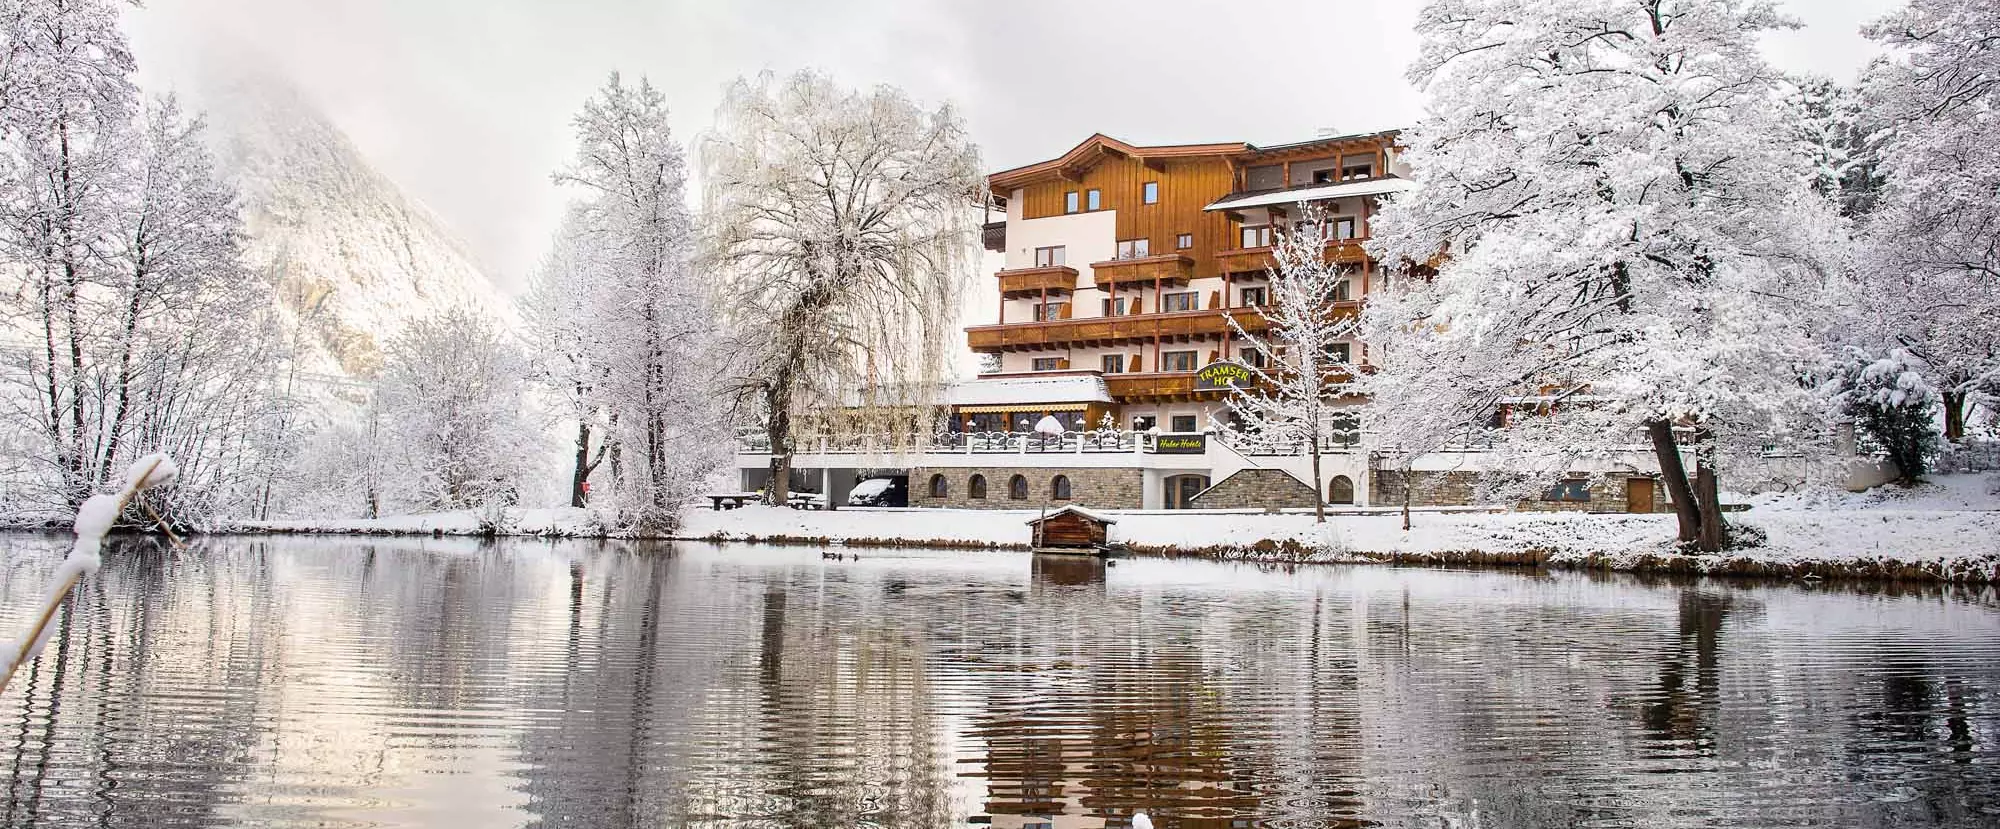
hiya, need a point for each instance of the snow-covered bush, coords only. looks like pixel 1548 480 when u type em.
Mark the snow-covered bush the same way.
pixel 1888 398
pixel 452 412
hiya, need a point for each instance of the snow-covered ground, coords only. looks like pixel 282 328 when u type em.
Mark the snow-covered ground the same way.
pixel 1947 529
pixel 554 521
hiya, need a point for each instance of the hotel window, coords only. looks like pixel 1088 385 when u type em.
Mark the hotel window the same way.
pixel 1170 303
pixel 1052 311
pixel 1257 236
pixel 1254 296
pixel 1050 257
pixel 1177 361
pixel 1355 167
pixel 1184 423
pixel 1152 193
pixel 1114 307
pixel 1069 202
pixel 1328 176
pixel 1184 241
pixel 1048 364
pixel 976 489
pixel 1017 488
pixel 1338 352
pixel 939 489
pixel 1114 364
pixel 1096 200
pixel 1059 488
pixel 1255 358
pixel 1343 228
pixel 1134 249
pixel 1342 292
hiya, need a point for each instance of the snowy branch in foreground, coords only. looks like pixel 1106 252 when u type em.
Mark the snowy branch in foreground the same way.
pixel 93 520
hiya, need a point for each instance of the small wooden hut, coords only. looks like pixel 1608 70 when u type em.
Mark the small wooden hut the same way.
pixel 1072 531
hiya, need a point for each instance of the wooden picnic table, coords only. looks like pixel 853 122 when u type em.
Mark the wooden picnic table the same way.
pixel 732 500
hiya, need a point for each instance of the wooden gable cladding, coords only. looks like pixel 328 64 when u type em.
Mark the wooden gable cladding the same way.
pixel 1186 186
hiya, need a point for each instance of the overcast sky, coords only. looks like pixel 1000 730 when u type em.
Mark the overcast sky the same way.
pixel 466 103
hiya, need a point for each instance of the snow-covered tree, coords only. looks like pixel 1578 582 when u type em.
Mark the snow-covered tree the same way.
pixel 1306 359
pixel 566 343
pixel 1888 399
pixel 843 225
pixel 1626 246
pixel 128 323
pixel 453 409
pixel 1839 134
pixel 626 334
pixel 1929 253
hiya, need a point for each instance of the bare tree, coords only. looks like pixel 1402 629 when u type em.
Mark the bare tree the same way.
pixel 1306 361
pixel 842 225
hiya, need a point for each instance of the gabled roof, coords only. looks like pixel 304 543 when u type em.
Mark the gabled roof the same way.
pixel 1272 152
pixel 1096 148
pixel 1099 517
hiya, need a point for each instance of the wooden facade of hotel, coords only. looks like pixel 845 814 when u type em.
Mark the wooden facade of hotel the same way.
pixel 1173 200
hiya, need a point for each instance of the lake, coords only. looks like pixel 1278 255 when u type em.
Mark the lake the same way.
pixel 416 682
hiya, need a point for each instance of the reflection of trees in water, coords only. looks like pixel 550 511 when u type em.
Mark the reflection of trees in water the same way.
pixel 695 698
pixel 1919 749
pixel 139 701
pixel 1681 711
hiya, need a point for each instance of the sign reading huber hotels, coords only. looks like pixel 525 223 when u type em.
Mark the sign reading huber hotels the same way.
pixel 1223 375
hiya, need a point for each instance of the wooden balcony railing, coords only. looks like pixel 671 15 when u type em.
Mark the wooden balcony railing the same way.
pixel 1022 282
pixel 1128 387
pixel 1171 268
pixel 1259 260
pixel 1090 331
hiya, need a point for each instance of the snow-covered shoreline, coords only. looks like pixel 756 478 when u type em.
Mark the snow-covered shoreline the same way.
pixel 1945 531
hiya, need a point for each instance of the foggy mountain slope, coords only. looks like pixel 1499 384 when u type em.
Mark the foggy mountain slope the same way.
pixel 351 255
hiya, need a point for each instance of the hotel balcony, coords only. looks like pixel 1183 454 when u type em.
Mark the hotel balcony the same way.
pixel 1259 260
pixel 1165 269
pixel 1156 387
pixel 1095 331
pixel 1028 282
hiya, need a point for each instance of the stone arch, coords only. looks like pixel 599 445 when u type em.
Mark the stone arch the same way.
pixel 1340 490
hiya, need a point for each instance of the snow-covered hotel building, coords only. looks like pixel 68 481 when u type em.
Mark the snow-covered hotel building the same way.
pixel 1122 267
pixel 1123 262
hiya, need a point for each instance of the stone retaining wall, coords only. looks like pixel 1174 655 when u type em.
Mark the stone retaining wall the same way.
pixel 1455 489
pixel 1256 488
pixel 1095 488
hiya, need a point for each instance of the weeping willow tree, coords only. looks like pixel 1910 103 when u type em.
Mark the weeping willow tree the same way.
pixel 841 227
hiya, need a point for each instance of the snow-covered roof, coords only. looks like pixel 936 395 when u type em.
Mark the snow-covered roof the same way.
pixel 1369 187
pixel 1068 388
pixel 1090 514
